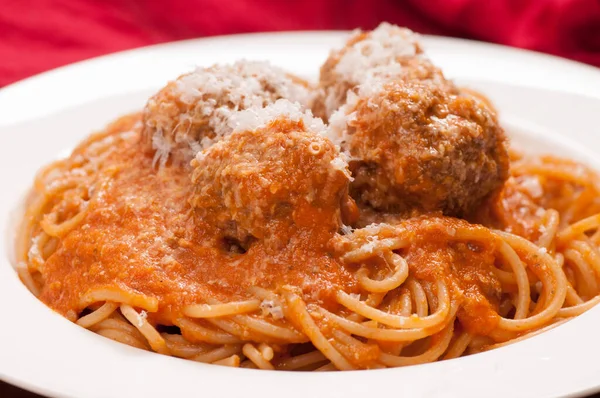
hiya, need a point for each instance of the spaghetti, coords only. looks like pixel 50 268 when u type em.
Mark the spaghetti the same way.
pixel 540 266
pixel 203 265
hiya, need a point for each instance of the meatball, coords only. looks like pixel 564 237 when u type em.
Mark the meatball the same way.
pixel 193 111
pixel 276 171
pixel 418 145
pixel 387 52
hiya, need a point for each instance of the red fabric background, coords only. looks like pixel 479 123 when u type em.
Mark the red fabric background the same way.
pixel 37 35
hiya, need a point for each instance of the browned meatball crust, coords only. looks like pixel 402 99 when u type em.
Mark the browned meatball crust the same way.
pixel 418 145
pixel 276 171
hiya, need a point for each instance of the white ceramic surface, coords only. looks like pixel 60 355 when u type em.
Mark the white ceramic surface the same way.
pixel 547 104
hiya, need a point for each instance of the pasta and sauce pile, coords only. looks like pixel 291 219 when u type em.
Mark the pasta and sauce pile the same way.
pixel 376 219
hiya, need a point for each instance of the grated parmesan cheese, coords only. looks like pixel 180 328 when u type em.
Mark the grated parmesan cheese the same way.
pixel 346 229
pixel 377 54
pixel 340 163
pixel 372 242
pixel 142 318
pixel 162 148
pixel 34 250
pixel 375 228
pixel 243 84
pixel 341 118
pixel 209 97
pixel 256 117
pixel 532 185
pixel 269 307
pixel 336 131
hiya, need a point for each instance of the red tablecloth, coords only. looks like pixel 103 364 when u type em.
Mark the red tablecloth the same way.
pixel 37 35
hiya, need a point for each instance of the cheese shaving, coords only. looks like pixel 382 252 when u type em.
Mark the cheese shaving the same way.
pixel 193 112
pixel 377 54
pixel 257 117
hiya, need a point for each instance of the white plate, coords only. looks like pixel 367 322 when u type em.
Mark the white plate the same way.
pixel 548 104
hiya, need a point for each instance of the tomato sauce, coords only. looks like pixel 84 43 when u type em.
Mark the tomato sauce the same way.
pixel 141 234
